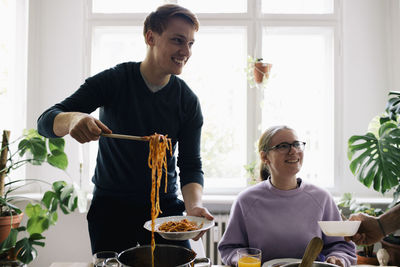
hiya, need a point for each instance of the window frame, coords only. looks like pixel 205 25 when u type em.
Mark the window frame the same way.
pixel 254 21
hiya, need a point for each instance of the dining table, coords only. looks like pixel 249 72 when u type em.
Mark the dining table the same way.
pixel 85 264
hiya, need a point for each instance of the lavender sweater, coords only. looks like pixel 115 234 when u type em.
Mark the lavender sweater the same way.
pixel 281 223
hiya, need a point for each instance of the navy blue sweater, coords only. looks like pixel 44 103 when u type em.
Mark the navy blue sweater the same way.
pixel 127 106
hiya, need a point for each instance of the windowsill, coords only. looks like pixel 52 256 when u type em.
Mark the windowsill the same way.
pixel 219 203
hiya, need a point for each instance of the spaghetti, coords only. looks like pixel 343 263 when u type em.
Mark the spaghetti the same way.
pixel 157 161
pixel 180 226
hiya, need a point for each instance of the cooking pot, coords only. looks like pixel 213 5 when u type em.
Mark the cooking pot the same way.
pixel 164 256
pixel 315 264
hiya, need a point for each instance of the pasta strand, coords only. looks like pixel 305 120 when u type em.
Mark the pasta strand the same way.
pixel 157 161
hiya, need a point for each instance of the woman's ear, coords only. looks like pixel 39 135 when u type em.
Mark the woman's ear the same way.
pixel 264 157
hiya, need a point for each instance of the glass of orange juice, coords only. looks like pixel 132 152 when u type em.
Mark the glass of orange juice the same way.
pixel 249 257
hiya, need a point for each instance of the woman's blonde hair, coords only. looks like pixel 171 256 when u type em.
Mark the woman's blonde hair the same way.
pixel 264 144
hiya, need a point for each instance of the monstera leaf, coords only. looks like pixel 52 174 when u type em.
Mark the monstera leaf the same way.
pixel 375 160
pixel 393 105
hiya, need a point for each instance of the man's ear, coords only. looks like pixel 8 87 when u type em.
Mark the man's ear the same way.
pixel 149 38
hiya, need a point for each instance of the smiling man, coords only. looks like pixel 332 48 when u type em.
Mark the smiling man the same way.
pixel 138 98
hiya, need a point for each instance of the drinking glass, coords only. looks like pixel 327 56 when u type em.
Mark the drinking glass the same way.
pixel 249 257
pixel 100 257
pixel 111 262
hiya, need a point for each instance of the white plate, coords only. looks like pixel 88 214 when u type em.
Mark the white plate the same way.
pixel 276 262
pixel 339 228
pixel 180 235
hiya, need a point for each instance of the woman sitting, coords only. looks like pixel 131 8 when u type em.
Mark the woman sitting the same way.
pixel 280 214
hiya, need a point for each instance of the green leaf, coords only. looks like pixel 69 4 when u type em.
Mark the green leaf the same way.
pixel 34 210
pixel 6 202
pixel 26 252
pixel 56 144
pixel 58 186
pixel 393 106
pixel 10 241
pixel 53 218
pixel 48 199
pixel 66 193
pixel 375 159
pixel 58 159
pixel 36 146
pixel 73 203
pixel 37 224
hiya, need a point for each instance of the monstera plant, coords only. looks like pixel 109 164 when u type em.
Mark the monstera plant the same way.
pixel 375 160
pixel 375 156
pixel 18 242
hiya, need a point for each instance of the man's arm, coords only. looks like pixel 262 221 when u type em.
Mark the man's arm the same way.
pixel 370 231
pixel 80 126
pixel 192 194
pixel 391 220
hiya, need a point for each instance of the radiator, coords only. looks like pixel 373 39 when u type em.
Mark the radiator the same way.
pixel 212 237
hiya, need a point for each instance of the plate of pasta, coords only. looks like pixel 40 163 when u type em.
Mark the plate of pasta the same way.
pixel 179 227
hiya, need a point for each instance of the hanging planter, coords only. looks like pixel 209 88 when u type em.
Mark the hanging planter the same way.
pixel 258 72
pixel 261 70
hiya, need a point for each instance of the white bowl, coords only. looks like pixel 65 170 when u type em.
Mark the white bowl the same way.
pixel 180 235
pixel 280 262
pixel 339 228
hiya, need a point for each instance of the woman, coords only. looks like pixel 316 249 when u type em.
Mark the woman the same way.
pixel 280 214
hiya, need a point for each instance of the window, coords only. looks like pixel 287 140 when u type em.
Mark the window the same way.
pixel 12 65
pixel 303 88
pixel 300 42
pixel 297 7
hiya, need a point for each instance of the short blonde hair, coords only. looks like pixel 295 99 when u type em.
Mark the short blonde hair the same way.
pixel 157 21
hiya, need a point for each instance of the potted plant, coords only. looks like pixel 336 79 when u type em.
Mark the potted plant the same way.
pixel 19 242
pixel 365 253
pixel 375 160
pixel 251 172
pixel 257 71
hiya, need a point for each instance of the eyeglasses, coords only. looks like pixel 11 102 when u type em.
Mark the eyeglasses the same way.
pixel 286 147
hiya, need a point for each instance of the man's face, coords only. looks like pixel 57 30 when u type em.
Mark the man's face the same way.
pixel 173 48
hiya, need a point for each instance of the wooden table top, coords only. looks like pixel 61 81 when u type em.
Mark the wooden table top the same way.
pixel 85 264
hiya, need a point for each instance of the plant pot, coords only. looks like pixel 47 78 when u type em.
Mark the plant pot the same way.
pixel 12 263
pixel 393 249
pixel 361 259
pixel 260 70
pixel 5 224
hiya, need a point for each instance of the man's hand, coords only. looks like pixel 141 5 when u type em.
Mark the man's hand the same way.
pixel 200 212
pixel 81 126
pixel 369 231
pixel 192 194
pixel 335 260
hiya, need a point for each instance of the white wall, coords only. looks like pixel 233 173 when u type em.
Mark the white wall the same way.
pixel 56 56
pixel 365 74
pixel 55 66
pixel 67 241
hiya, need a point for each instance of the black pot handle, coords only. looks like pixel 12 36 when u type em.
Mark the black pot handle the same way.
pixel 202 260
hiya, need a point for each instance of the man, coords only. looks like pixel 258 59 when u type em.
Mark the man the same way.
pixel 138 98
pixel 373 229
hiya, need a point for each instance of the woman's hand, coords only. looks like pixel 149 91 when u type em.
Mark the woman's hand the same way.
pixel 335 260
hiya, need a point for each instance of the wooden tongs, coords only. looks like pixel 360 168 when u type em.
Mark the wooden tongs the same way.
pixel 127 137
